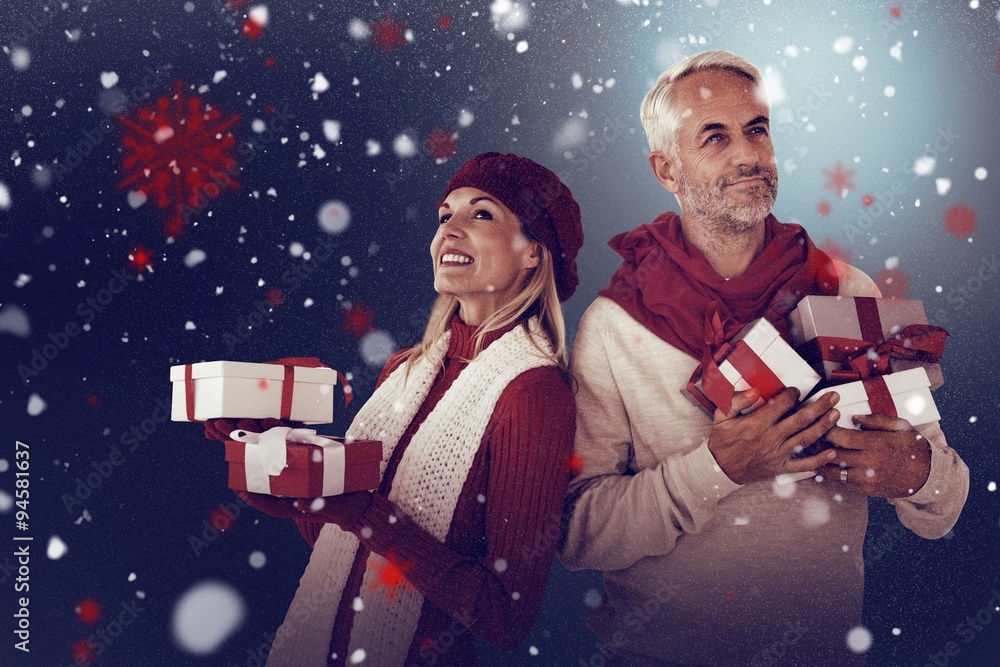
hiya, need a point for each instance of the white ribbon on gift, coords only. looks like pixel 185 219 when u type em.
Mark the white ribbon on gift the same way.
pixel 266 457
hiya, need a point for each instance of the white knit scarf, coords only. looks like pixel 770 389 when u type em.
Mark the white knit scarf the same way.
pixel 428 481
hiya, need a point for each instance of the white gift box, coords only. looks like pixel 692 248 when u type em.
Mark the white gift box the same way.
pixel 242 390
pixel 905 393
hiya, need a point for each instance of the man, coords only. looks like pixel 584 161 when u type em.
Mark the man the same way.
pixel 715 550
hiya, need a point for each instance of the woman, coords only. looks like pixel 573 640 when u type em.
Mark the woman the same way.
pixel 477 425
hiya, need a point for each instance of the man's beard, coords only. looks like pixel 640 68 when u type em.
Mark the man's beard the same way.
pixel 716 206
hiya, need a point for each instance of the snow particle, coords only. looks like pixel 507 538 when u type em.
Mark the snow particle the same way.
pixel 891 263
pixel 5 194
pixel 943 185
pixel 4 465
pixel 404 146
pixel 500 565
pixel 219 76
pixel 992 486
pixel 258 125
pixel 973 419
pixel 889 91
pixel 189 7
pixel 376 346
pixel 131 576
pixel 924 165
pixel 576 80
pixel 189 326
pixel 859 63
pixel 20 58
pixel 592 598
pixel 14 320
pixel 206 616
pixel 194 257
pixel 859 639
pixel 465 118
pixel 26 110
pixel 372 148
pixel 36 405
pixel 522 46
pixel 897 51
pixel 109 79
pixel 319 83
pixel 257 560
pixel 6 502
pixel 358 30
pixel 295 249
pixel 533 650
pixel 896 632
pixel 334 216
pixel 843 44
pixel 56 549
pixel 358 656
pixel 331 130
pixel 136 198
pixel 980 176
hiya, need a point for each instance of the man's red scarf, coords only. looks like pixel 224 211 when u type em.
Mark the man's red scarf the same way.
pixel 669 286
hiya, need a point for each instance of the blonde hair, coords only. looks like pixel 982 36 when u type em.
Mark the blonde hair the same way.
pixel 659 113
pixel 538 297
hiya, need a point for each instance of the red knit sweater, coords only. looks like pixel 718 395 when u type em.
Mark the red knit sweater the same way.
pixel 488 577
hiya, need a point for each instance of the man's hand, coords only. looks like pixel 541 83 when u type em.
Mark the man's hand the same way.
pixel 887 458
pixel 760 445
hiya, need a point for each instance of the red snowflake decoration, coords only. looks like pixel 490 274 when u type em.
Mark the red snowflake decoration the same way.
pixel 391 577
pixel 140 258
pixel 359 320
pixel 252 29
pixel 83 652
pixel 179 151
pixel 893 284
pixel 838 179
pixel 388 34
pixel 960 221
pixel 896 11
pixel 867 200
pixel 274 297
pixel 221 519
pixel 441 144
pixel 574 463
pixel 88 611
pixel 824 208
pixel 444 21
pixel 269 61
pixel 93 400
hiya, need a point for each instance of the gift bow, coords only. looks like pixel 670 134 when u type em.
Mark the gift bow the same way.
pixel 866 359
pixel 266 456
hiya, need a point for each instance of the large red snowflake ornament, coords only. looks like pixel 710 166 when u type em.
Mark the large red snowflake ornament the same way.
pixel 388 34
pixel 838 179
pixel 180 152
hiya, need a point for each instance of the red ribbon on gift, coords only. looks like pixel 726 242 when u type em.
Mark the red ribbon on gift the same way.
pixel 871 356
pixel 714 384
pixel 188 392
pixel 879 396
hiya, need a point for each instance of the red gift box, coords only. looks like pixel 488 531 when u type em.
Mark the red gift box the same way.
pixel 324 466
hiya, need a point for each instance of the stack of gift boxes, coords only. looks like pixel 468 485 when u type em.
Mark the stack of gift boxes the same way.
pixel 880 355
pixel 282 461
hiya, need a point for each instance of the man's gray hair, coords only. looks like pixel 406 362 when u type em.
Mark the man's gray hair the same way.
pixel 660 116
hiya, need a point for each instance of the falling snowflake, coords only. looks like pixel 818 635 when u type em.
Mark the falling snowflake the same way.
pixel 140 258
pixel 180 152
pixel 388 34
pixel 358 320
pixel 839 179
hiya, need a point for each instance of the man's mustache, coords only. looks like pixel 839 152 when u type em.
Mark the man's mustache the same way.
pixel 770 176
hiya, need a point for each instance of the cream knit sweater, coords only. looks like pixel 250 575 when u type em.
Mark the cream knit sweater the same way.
pixel 697 569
